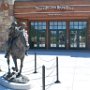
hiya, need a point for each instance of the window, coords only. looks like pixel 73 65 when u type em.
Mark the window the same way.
pixel 57 25
pixel 38 34
pixel 57 30
pixel 78 34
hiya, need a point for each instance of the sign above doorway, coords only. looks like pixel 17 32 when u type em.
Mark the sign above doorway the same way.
pixel 57 7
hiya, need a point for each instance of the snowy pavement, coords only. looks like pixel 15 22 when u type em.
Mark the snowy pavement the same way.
pixel 74 69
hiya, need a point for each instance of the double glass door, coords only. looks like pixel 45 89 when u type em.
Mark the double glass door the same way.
pixel 78 34
pixel 38 35
pixel 57 34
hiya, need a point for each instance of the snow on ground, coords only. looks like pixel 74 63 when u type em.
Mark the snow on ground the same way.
pixel 74 69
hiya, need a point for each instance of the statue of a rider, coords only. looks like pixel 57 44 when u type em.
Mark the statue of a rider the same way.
pixel 14 26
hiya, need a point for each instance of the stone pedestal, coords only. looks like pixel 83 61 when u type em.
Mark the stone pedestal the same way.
pixel 19 83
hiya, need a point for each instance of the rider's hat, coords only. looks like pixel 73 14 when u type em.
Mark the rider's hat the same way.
pixel 14 23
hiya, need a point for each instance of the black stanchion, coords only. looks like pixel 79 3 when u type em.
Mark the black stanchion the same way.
pixel 35 64
pixel 57 71
pixel 43 77
pixel 0 69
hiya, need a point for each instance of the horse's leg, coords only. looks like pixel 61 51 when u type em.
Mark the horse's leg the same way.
pixel 21 66
pixel 8 62
pixel 15 63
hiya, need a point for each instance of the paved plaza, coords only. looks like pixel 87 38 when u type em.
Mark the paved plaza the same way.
pixel 74 69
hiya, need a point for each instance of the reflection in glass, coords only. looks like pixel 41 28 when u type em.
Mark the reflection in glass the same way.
pixel 61 39
pixel 73 39
pixel 53 38
pixel 82 39
pixel 41 39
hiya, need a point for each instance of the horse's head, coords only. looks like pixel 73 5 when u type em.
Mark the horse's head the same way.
pixel 12 30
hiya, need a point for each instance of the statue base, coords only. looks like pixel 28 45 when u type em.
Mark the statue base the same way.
pixel 17 83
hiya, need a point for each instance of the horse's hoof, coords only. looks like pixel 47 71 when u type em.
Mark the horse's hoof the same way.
pixel 8 73
pixel 13 68
pixel 18 75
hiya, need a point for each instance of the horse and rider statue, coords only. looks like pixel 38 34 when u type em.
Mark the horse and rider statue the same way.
pixel 10 39
pixel 17 47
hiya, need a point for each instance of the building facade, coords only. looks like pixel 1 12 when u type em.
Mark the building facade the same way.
pixel 55 24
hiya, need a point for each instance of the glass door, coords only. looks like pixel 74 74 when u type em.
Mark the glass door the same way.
pixel 73 39
pixel 38 34
pixel 78 34
pixel 41 38
pixel 61 39
pixel 53 38
pixel 57 38
pixel 82 38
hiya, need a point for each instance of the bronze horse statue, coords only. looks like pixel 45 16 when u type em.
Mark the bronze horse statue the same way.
pixel 17 50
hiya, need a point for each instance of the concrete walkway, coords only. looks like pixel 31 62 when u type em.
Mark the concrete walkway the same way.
pixel 74 69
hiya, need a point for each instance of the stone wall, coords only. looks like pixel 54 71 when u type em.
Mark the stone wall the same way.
pixel 5 22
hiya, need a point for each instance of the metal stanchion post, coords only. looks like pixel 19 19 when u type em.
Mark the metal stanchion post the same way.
pixel 57 71
pixel 43 77
pixel 35 64
pixel 0 69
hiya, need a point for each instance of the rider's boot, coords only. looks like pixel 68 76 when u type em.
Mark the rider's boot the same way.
pixel 26 53
pixel 7 54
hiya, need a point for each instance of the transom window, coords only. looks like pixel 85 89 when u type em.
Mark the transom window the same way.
pixel 57 25
pixel 80 25
pixel 39 25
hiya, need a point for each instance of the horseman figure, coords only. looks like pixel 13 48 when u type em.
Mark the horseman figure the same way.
pixel 17 46
pixel 14 26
